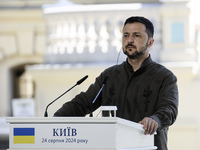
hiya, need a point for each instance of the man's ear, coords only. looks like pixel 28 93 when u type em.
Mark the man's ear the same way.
pixel 150 42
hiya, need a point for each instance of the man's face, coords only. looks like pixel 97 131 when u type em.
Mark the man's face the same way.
pixel 135 40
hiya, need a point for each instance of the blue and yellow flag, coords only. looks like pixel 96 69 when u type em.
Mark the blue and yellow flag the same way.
pixel 24 136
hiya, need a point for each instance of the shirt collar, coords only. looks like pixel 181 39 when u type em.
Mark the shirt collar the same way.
pixel 145 63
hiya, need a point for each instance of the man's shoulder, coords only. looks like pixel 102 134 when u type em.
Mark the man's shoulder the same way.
pixel 114 70
pixel 162 69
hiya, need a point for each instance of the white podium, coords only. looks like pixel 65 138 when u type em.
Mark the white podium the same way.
pixel 77 133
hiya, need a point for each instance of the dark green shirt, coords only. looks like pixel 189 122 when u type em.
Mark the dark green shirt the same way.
pixel 151 91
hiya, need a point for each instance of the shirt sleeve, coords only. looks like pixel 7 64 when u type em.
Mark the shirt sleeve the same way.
pixel 167 105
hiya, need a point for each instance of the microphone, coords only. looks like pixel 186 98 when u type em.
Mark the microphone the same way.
pixel 81 80
pixel 104 83
pixel 77 83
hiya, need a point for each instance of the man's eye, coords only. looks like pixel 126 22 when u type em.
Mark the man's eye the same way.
pixel 125 35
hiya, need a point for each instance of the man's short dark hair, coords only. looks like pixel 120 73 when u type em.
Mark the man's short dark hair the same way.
pixel 148 24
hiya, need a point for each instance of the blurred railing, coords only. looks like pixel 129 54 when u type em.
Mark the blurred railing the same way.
pixel 90 33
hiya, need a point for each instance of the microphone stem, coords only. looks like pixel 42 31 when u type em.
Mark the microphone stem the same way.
pixel 91 115
pixel 98 93
pixel 63 94
pixel 104 83
pixel 46 115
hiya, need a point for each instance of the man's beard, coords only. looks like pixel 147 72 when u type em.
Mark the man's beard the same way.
pixel 136 54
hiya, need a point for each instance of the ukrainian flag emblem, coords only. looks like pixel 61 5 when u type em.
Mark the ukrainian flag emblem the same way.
pixel 24 136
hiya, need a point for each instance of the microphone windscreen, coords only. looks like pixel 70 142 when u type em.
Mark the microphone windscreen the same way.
pixel 81 80
pixel 105 80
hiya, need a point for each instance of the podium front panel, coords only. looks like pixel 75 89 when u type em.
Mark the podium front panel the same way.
pixel 62 136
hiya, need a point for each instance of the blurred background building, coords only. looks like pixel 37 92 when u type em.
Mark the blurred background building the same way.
pixel 46 46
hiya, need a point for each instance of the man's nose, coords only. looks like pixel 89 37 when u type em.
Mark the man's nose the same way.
pixel 130 40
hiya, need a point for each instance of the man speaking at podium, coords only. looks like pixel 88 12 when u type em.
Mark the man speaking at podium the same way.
pixel 143 90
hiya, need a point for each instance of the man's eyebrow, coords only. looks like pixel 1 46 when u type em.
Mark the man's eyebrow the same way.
pixel 136 32
pixel 126 33
pixel 133 33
